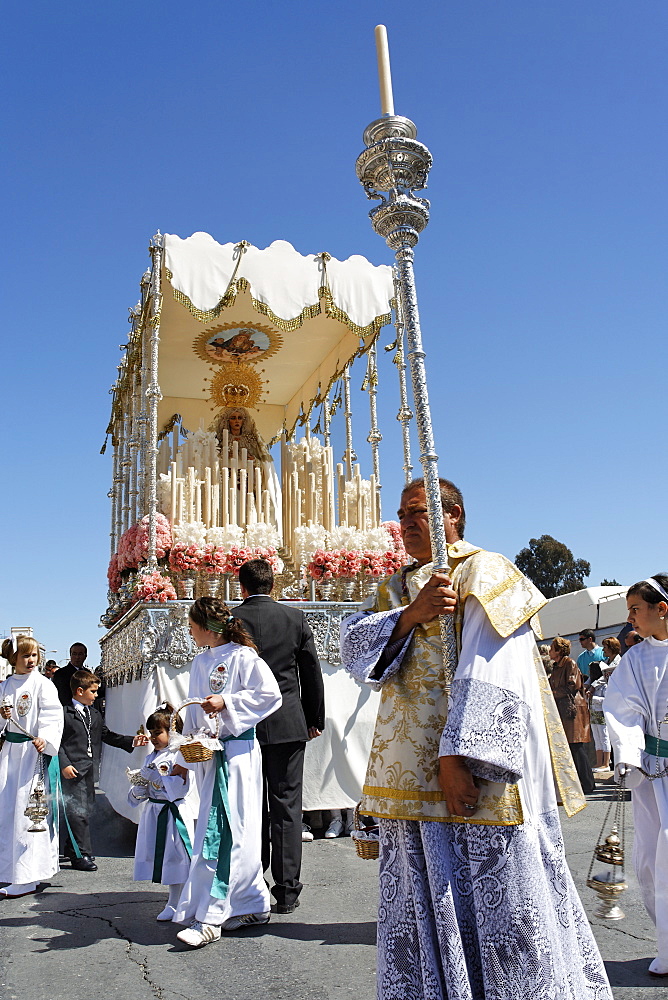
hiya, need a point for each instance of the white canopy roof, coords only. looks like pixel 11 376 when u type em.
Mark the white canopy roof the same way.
pixel 273 323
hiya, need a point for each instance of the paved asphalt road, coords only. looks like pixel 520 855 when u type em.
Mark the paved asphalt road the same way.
pixel 95 936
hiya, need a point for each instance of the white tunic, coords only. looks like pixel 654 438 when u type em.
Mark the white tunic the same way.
pixel 171 788
pixel 27 857
pixel 635 704
pixel 251 694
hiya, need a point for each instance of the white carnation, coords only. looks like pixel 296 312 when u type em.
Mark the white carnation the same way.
pixel 189 533
pixel 233 534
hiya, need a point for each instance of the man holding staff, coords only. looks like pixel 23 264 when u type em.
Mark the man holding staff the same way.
pixel 476 899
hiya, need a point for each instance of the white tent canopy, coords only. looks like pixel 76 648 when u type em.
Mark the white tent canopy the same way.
pixel 594 607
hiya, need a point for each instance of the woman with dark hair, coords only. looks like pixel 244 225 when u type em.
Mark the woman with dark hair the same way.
pixel 568 689
pixel 225 889
pixel 636 711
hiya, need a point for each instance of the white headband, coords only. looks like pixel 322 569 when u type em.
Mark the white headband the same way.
pixel 657 586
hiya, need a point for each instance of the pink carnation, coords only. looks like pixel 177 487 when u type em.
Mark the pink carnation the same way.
pixel 213 559
pixel 185 558
pixel 270 555
pixel 113 575
pixel 324 564
pixel 236 557
pixel 154 587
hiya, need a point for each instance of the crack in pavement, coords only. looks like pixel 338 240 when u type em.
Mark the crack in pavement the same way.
pixel 142 965
pixel 620 930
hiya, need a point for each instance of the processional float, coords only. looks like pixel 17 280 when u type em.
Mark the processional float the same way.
pixel 234 349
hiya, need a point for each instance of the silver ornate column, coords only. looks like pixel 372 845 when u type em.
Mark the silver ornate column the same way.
pixel 350 457
pixel 392 167
pixel 405 414
pixel 153 394
pixel 374 437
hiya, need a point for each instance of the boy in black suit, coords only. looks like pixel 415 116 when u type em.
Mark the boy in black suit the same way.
pixel 83 736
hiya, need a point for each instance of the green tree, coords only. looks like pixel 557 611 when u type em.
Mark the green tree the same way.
pixel 552 567
pixel 610 583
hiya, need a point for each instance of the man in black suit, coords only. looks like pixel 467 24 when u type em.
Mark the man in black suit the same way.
pixel 84 733
pixel 62 677
pixel 286 643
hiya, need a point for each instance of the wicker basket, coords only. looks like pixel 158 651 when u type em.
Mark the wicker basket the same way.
pixel 192 750
pixel 367 850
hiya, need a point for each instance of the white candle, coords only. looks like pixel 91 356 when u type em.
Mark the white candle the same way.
pixel 215 505
pixel 175 442
pixel 207 496
pixel 233 501
pixel 243 474
pixel 225 447
pixel 225 494
pixel 198 499
pixel 172 495
pixel 179 501
pixel 384 72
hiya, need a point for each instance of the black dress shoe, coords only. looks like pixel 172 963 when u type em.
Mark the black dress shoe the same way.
pixel 285 907
pixel 84 864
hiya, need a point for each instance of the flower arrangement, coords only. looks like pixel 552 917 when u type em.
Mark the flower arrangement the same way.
pixel 393 561
pixel 163 538
pixel 114 575
pixel 262 535
pixel 350 563
pixel 213 559
pixel 154 587
pixel 347 538
pixel 190 533
pixel 309 539
pixel 393 529
pixel 185 558
pixel 226 537
pixel 373 563
pixel 236 557
pixel 271 555
pixel 324 565
pixel 126 549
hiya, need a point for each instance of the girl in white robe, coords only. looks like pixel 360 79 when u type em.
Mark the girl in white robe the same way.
pixel 636 711
pixel 27 858
pixel 226 891
pixel 163 857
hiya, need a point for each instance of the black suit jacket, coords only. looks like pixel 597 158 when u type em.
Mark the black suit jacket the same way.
pixel 61 679
pixel 75 740
pixel 285 641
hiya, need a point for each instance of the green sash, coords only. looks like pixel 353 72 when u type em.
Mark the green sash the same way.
pixel 218 838
pixel 655 746
pixel 161 834
pixel 53 771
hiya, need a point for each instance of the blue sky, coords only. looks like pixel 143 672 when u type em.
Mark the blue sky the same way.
pixel 541 276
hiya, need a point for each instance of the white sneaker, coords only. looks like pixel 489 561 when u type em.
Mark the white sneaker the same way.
pixel 307 836
pixel 335 828
pixel 167 913
pixel 245 920
pixel 199 934
pixel 17 889
pixel 600 770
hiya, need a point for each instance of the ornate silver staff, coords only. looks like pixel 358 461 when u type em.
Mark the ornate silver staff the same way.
pixel 392 167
